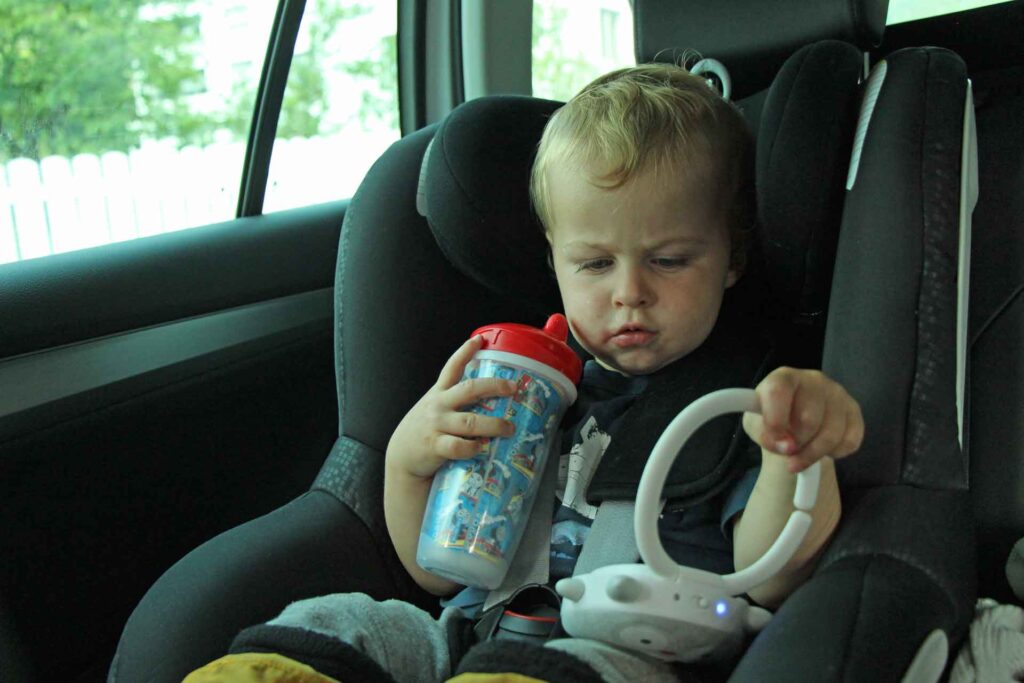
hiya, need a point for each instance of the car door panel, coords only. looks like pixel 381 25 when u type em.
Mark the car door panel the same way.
pixel 155 393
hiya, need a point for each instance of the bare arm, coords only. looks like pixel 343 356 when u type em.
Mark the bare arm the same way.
pixel 805 418
pixel 405 498
pixel 434 431
pixel 767 512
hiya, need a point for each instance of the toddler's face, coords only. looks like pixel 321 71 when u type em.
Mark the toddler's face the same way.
pixel 641 268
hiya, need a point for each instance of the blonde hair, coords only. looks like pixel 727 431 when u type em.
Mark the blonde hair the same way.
pixel 660 118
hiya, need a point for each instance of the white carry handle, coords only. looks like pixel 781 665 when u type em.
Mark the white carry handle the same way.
pixel 716 68
pixel 648 502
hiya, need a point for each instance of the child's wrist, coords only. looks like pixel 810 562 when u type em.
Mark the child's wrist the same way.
pixel 396 470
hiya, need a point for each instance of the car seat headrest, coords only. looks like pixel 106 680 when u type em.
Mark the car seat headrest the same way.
pixel 752 37
pixel 803 150
pixel 474 192
pixel 474 189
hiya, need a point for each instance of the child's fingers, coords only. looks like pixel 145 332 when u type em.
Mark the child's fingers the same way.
pixel 457 448
pixel 807 414
pixel 753 425
pixel 776 393
pixel 467 425
pixel 452 371
pixel 470 391
pixel 840 433
pixel 824 443
pixel 854 435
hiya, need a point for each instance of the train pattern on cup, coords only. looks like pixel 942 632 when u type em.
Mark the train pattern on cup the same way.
pixel 480 503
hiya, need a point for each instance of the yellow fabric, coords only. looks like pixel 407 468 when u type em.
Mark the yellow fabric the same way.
pixel 256 667
pixel 493 678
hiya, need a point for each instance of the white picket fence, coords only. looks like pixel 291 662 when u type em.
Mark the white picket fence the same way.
pixel 60 204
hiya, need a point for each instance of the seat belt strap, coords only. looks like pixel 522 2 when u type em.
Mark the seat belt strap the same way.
pixel 611 539
pixel 530 564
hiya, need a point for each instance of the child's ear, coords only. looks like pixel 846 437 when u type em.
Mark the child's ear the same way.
pixel 732 277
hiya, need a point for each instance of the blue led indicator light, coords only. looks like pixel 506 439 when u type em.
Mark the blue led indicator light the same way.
pixel 721 607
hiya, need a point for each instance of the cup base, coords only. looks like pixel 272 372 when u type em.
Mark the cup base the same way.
pixel 460 566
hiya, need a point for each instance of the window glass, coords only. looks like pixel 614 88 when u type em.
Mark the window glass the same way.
pixel 124 119
pixel 574 42
pixel 117 118
pixel 340 109
pixel 910 10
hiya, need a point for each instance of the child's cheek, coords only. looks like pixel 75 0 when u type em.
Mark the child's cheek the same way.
pixel 580 334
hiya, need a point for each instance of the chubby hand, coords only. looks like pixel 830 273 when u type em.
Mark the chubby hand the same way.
pixel 805 416
pixel 435 429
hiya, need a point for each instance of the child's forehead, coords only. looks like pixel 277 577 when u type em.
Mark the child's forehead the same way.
pixel 666 178
pixel 649 196
pixel 582 241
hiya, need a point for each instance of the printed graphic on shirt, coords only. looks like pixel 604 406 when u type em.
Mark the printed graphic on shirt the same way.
pixel 577 468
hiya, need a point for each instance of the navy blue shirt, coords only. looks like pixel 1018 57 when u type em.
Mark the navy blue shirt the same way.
pixel 699 536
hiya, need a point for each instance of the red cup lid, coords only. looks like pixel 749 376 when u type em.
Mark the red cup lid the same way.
pixel 546 345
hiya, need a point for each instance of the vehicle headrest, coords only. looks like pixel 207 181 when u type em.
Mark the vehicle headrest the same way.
pixel 803 151
pixel 752 37
pixel 474 192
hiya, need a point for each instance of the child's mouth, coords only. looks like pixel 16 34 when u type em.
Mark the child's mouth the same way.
pixel 631 337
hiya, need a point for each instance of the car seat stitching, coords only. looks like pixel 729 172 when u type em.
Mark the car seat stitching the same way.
pixel 339 312
pixel 933 278
pixel 923 168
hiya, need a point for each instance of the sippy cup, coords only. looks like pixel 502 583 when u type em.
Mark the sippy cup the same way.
pixel 478 508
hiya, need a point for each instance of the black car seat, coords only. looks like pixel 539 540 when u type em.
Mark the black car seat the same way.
pixel 402 306
pixel 897 584
pixel 996 425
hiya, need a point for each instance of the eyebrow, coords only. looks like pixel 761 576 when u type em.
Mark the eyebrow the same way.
pixel 699 241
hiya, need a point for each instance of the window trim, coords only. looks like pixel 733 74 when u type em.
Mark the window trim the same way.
pixel 430 81
pixel 267 109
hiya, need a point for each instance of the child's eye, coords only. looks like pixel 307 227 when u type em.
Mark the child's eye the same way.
pixel 594 265
pixel 670 261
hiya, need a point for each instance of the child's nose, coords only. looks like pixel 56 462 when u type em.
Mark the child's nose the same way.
pixel 632 289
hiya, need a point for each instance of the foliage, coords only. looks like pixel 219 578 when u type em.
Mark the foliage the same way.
pixel 556 75
pixel 379 102
pixel 92 75
pixel 87 76
pixel 306 97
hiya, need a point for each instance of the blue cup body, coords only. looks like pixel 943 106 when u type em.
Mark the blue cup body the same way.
pixel 478 508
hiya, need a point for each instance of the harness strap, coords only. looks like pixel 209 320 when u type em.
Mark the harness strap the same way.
pixel 611 540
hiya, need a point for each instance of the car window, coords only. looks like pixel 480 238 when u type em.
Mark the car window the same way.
pixel 124 119
pixel 340 108
pixel 575 42
pixel 901 11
